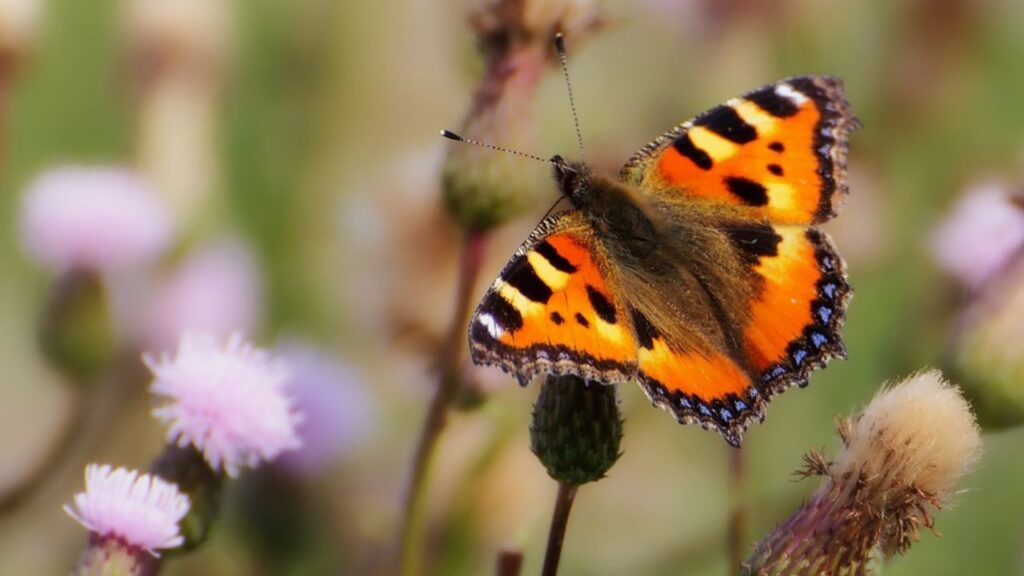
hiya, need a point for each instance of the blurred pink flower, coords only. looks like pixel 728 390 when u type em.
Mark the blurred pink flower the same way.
pixel 338 414
pixel 102 219
pixel 227 400
pixel 984 230
pixel 141 510
pixel 217 290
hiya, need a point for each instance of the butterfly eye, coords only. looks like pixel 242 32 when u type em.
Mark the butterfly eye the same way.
pixel 567 177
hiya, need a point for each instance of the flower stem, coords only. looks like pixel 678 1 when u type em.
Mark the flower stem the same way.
pixel 473 250
pixel 56 455
pixel 6 71
pixel 559 520
pixel 88 423
pixel 738 512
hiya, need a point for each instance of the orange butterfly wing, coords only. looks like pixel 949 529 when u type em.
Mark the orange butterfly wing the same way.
pixel 777 156
pixel 552 310
pixel 779 152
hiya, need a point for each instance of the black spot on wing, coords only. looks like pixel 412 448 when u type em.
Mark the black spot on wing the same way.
pixel 556 260
pixel 557 318
pixel 687 148
pixel 769 100
pixel 748 191
pixel 503 312
pixel 755 241
pixel 775 169
pixel 601 304
pixel 645 331
pixel 725 122
pixel 525 280
pixel 582 321
pixel 777 147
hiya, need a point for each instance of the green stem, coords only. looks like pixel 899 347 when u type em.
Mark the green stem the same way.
pixel 411 527
pixel 738 513
pixel 6 72
pixel 559 521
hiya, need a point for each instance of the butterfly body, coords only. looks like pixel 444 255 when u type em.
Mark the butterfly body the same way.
pixel 697 272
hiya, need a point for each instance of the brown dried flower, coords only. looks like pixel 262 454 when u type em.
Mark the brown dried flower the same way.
pixel 902 460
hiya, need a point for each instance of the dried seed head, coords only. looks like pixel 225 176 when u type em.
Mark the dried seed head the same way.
pixel 920 433
pixel 903 457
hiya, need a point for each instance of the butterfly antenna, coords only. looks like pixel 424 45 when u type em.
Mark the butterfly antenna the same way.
pixel 560 47
pixel 453 136
pixel 552 208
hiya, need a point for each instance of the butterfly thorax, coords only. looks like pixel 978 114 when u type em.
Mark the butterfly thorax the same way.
pixel 677 268
pixel 611 206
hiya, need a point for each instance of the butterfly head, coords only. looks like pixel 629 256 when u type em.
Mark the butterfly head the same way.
pixel 572 177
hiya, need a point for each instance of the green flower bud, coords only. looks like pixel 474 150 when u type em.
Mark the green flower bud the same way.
pixel 576 429
pixel 483 188
pixel 187 468
pixel 77 332
pixel 989 354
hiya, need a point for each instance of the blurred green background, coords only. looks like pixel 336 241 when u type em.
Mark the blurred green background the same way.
pixel 321 120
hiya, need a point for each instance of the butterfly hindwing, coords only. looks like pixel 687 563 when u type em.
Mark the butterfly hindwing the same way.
pixel 706 386
pixel 796 317
pixel 779 152
pixel 553 309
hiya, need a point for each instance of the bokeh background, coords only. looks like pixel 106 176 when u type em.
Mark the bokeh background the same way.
pixel 296 143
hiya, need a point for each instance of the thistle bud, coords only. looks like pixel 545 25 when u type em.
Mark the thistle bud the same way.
pixel 482 188
pixel 989 350
pixel 77 333
pixel 185 467
pixel 576 429
pixel 902 460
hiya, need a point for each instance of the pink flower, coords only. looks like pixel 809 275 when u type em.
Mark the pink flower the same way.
pixel 102 219
pixel 141 510
pixel 217 290
pixel 983 232
pixel 227 400
pixel 337 411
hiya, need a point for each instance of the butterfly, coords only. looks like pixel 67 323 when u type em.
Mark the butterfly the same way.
pixel 698 272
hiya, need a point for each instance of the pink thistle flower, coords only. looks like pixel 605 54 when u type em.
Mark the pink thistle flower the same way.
pixel 217 289
pixel 337 412
pixel 227 400
pixel 141 510
pixel 100 219
pixel 981 235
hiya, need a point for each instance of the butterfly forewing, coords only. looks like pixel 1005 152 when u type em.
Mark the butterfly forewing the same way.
pixel 554 309
pixel 779 152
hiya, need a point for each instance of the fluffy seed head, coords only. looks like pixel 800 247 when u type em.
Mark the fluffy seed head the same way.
pixel 903 457
pixel 918 433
